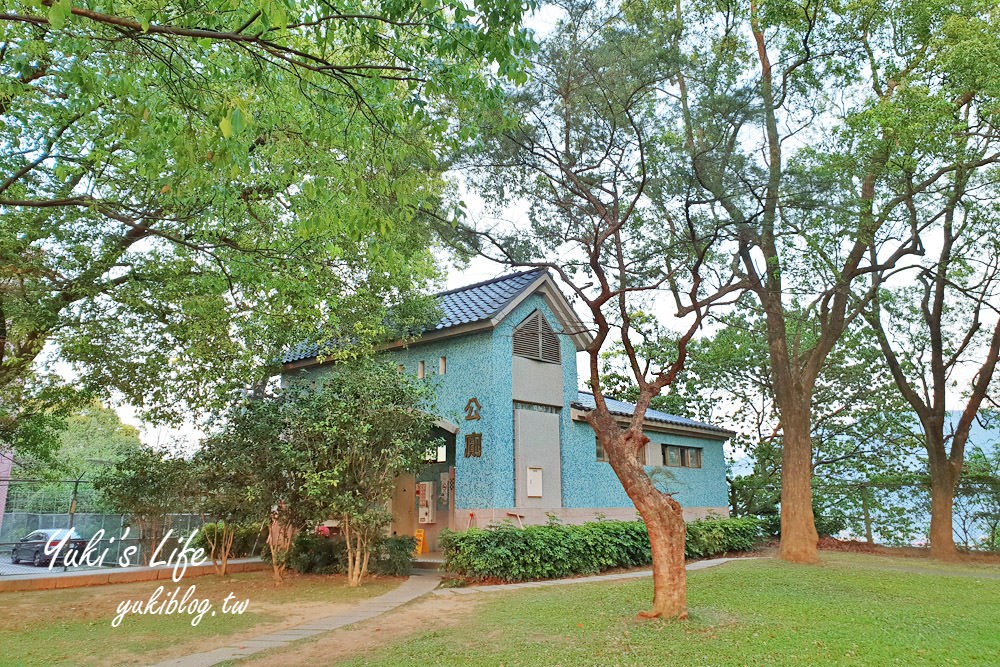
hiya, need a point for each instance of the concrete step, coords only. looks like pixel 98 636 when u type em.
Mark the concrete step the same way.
pixel 425 563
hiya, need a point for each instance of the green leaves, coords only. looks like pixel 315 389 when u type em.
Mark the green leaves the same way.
pixel 59 11
pixel 234 122
pixel 330 449
pixel 212 195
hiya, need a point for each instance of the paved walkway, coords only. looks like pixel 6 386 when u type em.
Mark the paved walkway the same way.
pixel 417 585
pixel 420 583
pixel 634 574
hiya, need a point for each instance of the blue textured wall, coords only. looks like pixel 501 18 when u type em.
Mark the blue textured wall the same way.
pixel 480 365
pixel 588 482
pixel 476 368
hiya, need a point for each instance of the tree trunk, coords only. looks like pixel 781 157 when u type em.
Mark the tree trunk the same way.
pixel 943 480
pixel 358 553
pixel 228 536
pixel 279 539
pixel 798 526
pixel 665 525
pixel 664 521
pixel 865 508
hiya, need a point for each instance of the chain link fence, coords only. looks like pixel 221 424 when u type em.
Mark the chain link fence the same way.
pixel 30 506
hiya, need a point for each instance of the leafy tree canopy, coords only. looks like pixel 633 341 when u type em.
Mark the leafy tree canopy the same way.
pixel 189 188
pixel 94 438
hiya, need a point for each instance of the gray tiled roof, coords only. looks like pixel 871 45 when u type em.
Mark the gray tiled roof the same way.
pixel 474 303
pixel 585 401
pixel 463 305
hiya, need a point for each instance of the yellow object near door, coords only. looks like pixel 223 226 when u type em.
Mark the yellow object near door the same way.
pixel 421 542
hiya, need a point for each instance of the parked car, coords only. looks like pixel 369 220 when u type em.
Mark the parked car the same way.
pixel 31 548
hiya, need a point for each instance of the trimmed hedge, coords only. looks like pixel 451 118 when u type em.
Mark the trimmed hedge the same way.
pixel 507 553
pixel 315 554
pixel 710 537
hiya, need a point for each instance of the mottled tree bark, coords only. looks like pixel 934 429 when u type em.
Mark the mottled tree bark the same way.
pixel 664 519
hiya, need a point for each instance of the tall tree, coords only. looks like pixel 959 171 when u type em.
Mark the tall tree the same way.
pixel 367 424
pixel 935 331
pixel 94 438
pixel 250 469
pixel 864 446
pixel 811 129
pixel 190 187
pixel 583 155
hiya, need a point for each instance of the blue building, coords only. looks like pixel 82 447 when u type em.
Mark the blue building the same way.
pixel 503 360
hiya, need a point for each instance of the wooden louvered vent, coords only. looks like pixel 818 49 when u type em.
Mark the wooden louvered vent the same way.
pixel 535 339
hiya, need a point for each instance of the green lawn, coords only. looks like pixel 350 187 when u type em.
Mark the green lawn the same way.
pixel 73 626
pixel 851 610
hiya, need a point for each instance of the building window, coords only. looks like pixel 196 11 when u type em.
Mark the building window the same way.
pixel 536 407
pixel 437 455
pixel 534 339
pixel 420 370
pixel 681 457
pixel 442 366
pixel 602 455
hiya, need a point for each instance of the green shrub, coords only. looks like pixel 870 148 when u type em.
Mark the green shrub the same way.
pixel 709 537
pixel 393 557
pixel 770 525
pixel 315 554
pixel 507 553
pixel 248 540
pixel 830 523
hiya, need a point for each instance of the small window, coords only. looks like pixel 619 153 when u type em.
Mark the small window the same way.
pixel 694 457
pixel 437 455
pixel 681 457
pixel 442 366
pixel 420 370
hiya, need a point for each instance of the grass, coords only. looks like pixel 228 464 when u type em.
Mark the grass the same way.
pixel 851 610
pixel 73 626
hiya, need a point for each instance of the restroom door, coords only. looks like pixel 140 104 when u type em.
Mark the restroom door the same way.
pixel 404 511
pixel 537 474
